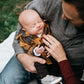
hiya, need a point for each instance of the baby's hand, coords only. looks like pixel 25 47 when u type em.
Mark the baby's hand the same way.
pixel 39 49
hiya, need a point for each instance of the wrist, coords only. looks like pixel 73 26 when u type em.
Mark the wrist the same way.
pixel 35 53
pixel 62 59
pixel 20 56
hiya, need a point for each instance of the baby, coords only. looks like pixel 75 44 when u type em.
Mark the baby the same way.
pixel 33 27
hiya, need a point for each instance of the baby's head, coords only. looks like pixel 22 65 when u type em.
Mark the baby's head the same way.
pixel 31 22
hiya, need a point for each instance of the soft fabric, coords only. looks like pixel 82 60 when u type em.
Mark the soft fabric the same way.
pixel 6 51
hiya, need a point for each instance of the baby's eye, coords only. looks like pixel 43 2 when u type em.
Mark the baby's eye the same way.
pixel 33 26
pixel 39 21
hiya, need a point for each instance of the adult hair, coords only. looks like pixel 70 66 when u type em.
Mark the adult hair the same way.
pixel 79 4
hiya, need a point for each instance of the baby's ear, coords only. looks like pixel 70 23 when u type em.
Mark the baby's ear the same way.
pixel 23 29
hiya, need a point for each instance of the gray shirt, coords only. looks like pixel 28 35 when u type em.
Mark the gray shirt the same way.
pixel 71 39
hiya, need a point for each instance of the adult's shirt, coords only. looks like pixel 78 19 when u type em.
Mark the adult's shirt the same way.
pixel 71 38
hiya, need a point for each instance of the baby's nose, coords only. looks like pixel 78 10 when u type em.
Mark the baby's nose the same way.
pixel 38 25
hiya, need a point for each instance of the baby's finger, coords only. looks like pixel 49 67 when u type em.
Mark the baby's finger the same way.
pixel 41 47
pixel 38 46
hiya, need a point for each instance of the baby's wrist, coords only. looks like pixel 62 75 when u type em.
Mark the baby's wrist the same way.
pixel 35 53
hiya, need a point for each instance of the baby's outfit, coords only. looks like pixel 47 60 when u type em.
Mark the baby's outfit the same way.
pixel 28 43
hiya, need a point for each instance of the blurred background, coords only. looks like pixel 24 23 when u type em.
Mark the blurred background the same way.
pixel 9 12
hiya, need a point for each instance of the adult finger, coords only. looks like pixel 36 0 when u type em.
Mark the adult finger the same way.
pixel 53 38
pixel 48 54
pixel 32 69
pixel 48 39
pixel 46 43
pixel 48 49
pixel 39 60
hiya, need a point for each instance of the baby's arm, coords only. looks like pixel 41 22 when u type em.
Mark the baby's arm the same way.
pixel 38 50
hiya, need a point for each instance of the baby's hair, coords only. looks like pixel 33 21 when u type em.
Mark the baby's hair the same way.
pixel 25 14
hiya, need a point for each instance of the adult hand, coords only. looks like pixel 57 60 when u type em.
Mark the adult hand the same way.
pixel 28 62
pixel 54 47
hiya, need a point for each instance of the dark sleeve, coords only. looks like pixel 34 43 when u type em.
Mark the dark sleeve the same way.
pixel 67 73
pixel 45 8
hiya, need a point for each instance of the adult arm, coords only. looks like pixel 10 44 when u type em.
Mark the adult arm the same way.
pixel 55 48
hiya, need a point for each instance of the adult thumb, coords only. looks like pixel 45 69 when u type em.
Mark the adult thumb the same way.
pixel 39 60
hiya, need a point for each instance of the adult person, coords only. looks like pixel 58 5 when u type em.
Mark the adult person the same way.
pixel 63 23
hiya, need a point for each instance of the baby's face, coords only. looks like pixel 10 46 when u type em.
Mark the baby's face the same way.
pixel 34 25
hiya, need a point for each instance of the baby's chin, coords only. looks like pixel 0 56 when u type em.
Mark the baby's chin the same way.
pixel 40 32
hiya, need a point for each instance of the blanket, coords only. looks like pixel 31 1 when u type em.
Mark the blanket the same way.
pixel 6 50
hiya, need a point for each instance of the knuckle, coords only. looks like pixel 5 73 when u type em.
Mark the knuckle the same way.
pixel 53 49
pixel 32 69
pixel 58 44
pixel 27 69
